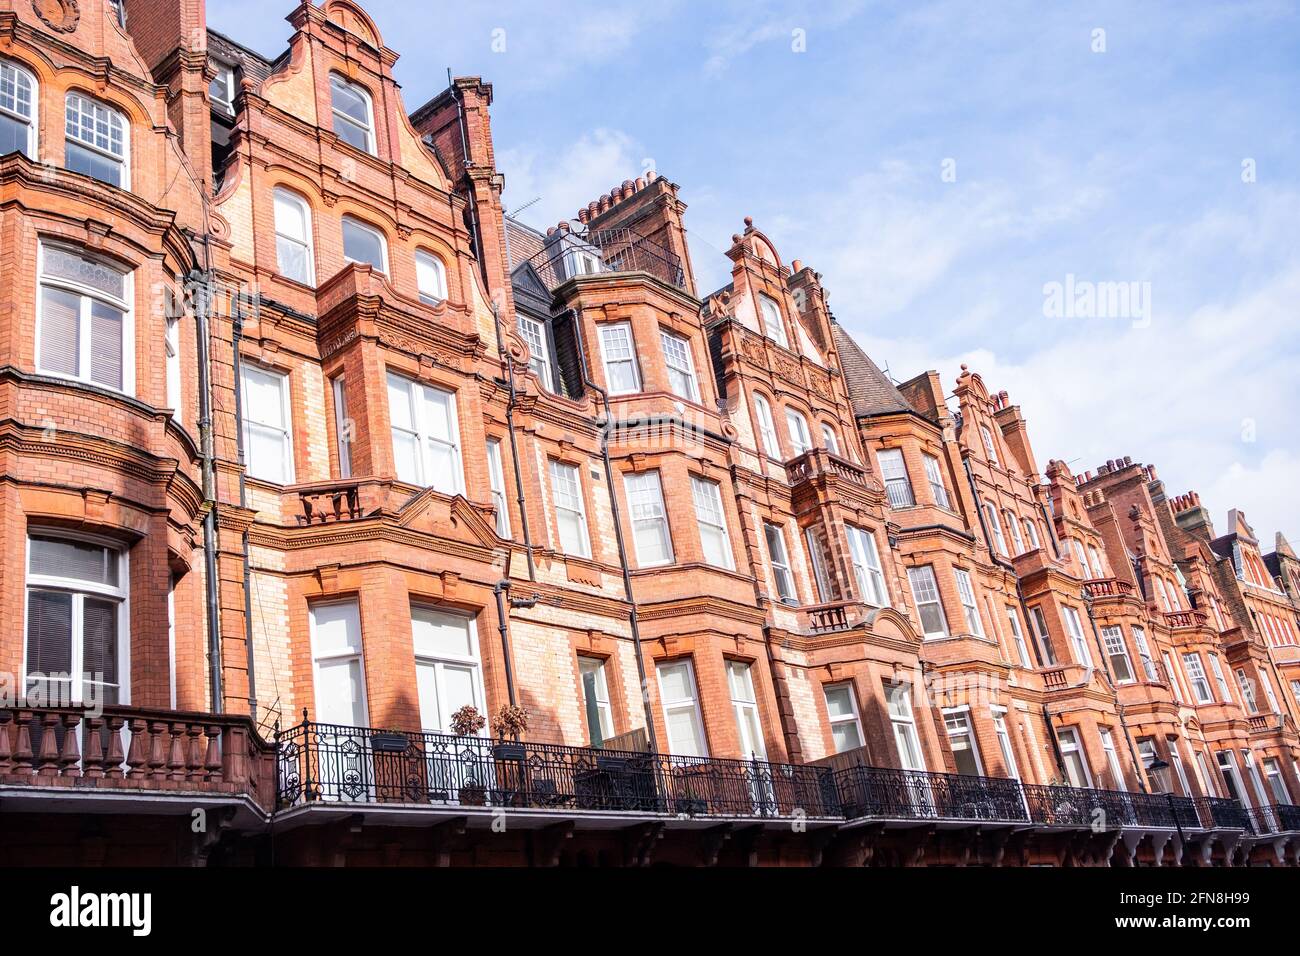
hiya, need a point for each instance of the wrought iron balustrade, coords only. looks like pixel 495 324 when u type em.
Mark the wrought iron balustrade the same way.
pixel 1276 818
pixel 618 250
pixel 916 795
pixel 1221 813
pixel 1109 809
pixel 325 762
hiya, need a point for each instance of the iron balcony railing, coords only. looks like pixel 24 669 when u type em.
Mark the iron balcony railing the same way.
pixel 915 795
pixel 606 250
pixel 1278 818
pixel 325 762
pixel 359 765
pixel 1109 809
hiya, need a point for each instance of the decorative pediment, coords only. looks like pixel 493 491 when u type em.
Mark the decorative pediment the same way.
pixel 888 622
pixel 447 516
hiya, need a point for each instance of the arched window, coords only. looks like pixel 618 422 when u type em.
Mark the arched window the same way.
pixel 83 327
pixel 797 425
pixel 18 99
pixel 293 246
pixel 830 440
pixel 364 244
pixel 97 141
pixel 430 277
pixel 354 119
pixel 766 427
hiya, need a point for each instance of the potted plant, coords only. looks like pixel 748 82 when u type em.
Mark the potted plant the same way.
pixel 467 722
pixel 510 722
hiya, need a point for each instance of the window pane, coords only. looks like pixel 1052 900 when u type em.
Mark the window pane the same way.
pixel 106 325
pixel 49 632
pixel 438 634
pixel 73 560
pixel 61 263
pixel 362 244
pixel 99 641
pixel 60 343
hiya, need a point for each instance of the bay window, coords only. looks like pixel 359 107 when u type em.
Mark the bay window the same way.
pixel 18 102
pixel 84 325
pixel 866 566
pixel 617 348
pixel 645 500
pixel 364 244
pixel 1074 628
pixel 681 367
pixel 966 591
pixel 925 591
pixel 934 475
pixel 77 645
pixel 426 435
pixel 97 141
pixel 780 560
pixel 1117 651
pixel 897 485
pixel 430 277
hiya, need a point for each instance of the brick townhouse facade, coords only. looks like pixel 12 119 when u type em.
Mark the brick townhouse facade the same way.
pixel 306 447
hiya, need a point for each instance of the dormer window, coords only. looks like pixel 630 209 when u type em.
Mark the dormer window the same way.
pixel 97 141
pixel 773 326
pixel 222 88
pixel 989 447
pixel 354 121
pixel 539 360
pixel 582 262
pixel 17 111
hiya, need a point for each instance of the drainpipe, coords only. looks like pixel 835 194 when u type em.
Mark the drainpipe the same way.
pixel 201 284
pixel 618 535
pixel 514 445
pixel 501 588
pixel 237 331
pixel 1056 745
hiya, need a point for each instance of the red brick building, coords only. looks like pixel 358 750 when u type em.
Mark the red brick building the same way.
pixel 306 447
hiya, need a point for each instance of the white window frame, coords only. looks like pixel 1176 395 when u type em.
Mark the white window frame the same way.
pixel 533 332
pixel 852 719
pixel 773 324
pixel 247 369
pixel 600 683
pixel 1247 689
pixel 368 128
pixel 1003 734
pixel 1094 562
pixel 1144 652
pixel 1194 667
pixel 345 222
pixel 1112 758
pixel 934 475
pixel 797 427
pixel 701 743
pixel 282 196
pixel 317 655
pixel 226 77
pixel 417 396
pixel 440 660
pixel 32 121
pixel 429 266
pixel 1074 628
pixel 925 593
pixel 1038 621
pixel 1014 527
pixel 866 566
pixel 123 160
pixel 957 724
pixel 1112 637
pixel 1220 679
pixel 342 430
pixel 681 365
pixel 782 571
pixel 606 331
pixel 766 426
pixel 80 589
pixel 647 512
pixel 172 353
pixel 497 484
pixel 87 294
pixel 893 471
pixel 1018 637
pixel 1032 529
pixel 1267 683
pixel 970 607
pixel 744 707
pixel 902 719
pixel 989 448
pixel 1068 739
pixel 709 514
pixel 562 471
pixel 830 440
pixel 995 528
pixel 1174 676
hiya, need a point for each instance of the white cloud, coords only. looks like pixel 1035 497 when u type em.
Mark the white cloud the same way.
pixel 568 179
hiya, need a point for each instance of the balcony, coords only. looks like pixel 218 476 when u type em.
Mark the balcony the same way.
pixel 1100 588
pixel 818 463
pixel 1177 619
pixel 914 795
pixel 1109 809
pixel 355 765
pixel 568 256
pixel 133 749
pixel 1275 819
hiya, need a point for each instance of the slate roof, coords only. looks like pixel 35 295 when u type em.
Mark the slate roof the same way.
pixel 870 390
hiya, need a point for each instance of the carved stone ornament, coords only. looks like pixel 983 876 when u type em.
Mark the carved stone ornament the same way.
pixel 60 15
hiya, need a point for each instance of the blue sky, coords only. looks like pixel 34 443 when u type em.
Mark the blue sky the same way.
pixel 1115 165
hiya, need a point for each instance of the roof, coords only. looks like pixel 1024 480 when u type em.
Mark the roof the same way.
pixel 870 390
